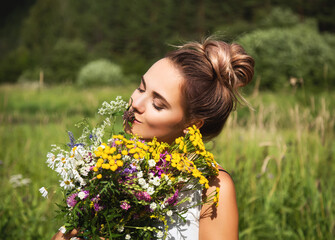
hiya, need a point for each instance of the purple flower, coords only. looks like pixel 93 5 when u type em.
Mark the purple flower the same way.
pixel 124 205
pixel 71 200
pixel 174 199
pixel 97 207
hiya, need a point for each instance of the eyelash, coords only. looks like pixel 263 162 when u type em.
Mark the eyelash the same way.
pixel 156 107
pixel 153 104
pixel 140 90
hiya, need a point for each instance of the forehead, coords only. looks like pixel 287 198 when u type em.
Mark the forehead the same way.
pixel 166 79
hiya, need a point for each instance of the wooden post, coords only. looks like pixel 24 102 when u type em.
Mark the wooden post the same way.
pixel 41 79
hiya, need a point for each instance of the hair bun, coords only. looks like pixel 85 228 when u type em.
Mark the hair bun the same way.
pixel 232 66
pixel 213 72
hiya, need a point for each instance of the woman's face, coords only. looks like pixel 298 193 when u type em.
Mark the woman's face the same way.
pixel 157 103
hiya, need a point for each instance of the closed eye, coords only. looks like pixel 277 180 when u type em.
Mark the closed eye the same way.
pixel 158 108
pixel 140 90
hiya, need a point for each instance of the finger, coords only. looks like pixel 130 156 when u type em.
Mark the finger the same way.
pixel 73 233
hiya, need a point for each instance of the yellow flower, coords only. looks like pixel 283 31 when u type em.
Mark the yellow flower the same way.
pixel 203 180
pixel 106 150
pixel 112 150
pixel 119 163
pixel 95 169
pixel 131 151
pixel 105 166
pixel 124 152
pixel 181 145
pixel 196 173
pixel 99 176
pixel 114 167
pixel 97 153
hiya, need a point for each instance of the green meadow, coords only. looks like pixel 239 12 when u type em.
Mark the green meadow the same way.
pixel 280 154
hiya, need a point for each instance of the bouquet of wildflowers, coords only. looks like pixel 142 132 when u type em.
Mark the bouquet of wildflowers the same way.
pixel 121 187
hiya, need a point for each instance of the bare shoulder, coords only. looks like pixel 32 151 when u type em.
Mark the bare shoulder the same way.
pixel 220 222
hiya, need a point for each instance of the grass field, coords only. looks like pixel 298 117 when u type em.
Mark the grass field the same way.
pixel 281 157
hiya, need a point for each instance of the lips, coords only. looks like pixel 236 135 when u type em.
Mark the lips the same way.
pixel 136 120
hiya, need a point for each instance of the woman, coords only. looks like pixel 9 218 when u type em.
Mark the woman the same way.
pixel 195 84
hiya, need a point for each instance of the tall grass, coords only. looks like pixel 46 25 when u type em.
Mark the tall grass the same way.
pixel 280 157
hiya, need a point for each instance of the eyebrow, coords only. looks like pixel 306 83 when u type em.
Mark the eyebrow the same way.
pixel 156 94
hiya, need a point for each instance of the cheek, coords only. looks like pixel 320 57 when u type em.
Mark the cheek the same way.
pixel 166 121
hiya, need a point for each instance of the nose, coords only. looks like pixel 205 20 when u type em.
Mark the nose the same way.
pixel 138 103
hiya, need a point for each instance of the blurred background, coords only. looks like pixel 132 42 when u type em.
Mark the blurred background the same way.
pixel 61 59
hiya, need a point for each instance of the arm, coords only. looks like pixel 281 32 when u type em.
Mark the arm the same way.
pixel 220 223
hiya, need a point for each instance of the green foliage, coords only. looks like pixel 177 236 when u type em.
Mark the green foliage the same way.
pixel 135 35
pixel 280 17
pixel 295 52
pixel 13 64
pixel 64 61
pixel 100 72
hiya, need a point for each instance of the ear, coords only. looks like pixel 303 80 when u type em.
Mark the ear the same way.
pixel 198 123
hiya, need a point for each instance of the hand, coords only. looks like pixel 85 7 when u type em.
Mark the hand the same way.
pixel 67 236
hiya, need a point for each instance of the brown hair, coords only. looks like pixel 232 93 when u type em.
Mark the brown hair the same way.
pixel 213 72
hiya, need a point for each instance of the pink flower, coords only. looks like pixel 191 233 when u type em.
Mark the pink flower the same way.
pixel 143 196
pixel 71 200
pixel 124 205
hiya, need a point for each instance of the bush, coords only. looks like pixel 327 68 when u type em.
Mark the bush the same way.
pixel 98 72
pixel 280 17
pixel 295 52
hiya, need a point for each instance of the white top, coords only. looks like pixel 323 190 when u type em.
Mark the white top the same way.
pixel 189 230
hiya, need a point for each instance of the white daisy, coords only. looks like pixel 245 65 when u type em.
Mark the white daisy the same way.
pixel 152 163
pixel 153 206
pixel 140 174
pixel 141 181
pixel 160 234
pixel 151 190
pixel 44 192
